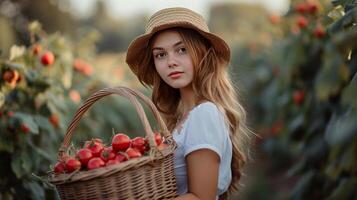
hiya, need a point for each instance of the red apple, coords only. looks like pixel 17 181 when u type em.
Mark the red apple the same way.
pixel 120 142
pixel 107 154
pixel 72 164
pixel 112 162
pixel 133 153
pixel 59 168
pixel 121 157
pixel 139 143
pixel 95 145
pixel 84 155
pixel 95 163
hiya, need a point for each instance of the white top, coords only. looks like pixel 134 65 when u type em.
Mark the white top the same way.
pixel 204 128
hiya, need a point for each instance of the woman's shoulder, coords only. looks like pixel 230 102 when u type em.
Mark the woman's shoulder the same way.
pixel 206 108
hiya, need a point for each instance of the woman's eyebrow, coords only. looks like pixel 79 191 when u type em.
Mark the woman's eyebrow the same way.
pixel 160 48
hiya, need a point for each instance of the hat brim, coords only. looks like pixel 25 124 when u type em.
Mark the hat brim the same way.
pixel 139 45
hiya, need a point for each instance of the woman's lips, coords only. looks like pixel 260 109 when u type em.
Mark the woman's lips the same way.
pixel 175 75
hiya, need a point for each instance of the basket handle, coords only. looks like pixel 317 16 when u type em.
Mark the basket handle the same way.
pixel 150 104
pixel 127 93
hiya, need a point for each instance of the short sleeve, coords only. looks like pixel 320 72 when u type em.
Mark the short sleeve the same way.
pixel 206 129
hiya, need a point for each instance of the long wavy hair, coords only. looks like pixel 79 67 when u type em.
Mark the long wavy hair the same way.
pixel 211 82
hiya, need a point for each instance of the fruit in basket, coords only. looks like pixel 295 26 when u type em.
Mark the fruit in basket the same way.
pixel 95 146
pixel 120 142
pixel 59 168
pixel 72 164
pixel 139 143
pixel 93 140
pixel 162 146
pixel 121 157
pixel 84 155
pixel 95 163
pixel 133 153
pixel 158 138
pixel 95 154
pixel 112 162
pixel 107 154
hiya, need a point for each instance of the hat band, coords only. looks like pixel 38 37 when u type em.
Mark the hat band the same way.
pixel 176 17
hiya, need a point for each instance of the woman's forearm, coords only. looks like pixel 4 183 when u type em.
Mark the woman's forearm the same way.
pixel 188 196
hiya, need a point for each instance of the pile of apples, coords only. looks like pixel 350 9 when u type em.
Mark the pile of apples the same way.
pixel 95 154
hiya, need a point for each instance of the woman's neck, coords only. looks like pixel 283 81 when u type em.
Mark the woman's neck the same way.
pixel 187 99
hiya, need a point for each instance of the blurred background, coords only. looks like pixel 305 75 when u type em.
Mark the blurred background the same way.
pixel 294 63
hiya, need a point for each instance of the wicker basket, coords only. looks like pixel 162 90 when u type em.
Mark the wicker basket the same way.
pixel 147 177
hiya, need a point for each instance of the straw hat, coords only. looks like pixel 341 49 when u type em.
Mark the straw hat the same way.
pixel 169 18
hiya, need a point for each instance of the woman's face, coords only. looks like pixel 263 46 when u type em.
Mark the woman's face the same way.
pixel 172 60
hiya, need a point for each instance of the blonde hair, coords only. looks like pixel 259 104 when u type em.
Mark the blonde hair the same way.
pixel 210 83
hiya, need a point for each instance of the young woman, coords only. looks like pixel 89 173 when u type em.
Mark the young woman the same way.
pixel 186 67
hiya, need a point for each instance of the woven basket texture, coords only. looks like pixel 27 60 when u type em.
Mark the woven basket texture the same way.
pixel 147 177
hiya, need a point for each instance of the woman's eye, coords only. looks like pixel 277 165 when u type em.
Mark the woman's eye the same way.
pixel 160 55
pixel 182 50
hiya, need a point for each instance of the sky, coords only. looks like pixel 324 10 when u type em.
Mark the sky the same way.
pixel 130 8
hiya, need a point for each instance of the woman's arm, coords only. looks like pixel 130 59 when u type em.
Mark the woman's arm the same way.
pixel 202 175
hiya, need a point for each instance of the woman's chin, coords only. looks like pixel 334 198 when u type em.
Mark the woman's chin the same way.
pixel 178 85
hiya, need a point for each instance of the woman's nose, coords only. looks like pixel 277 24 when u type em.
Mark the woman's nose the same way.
pixel 171 61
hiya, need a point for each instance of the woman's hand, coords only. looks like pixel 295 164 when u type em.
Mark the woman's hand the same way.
pixel 202 175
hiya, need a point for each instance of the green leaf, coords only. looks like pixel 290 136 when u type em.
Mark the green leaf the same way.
pixel 348 161
pixel 37 192
pixel 345 190
pixel 2 99
pixel 349 6
pixel 6 195
pixel 16 51
pixel 315 150
pixel 66 69
pixel 21 163
pixel 43 122
pixel 14 65
pixel 349 94
pixel 35 27
pixel 34 80
pixel 268 95
pixel 333 169
pixel 26 163
pixel 296 123
pixel 56 102
pixel 344 22
pixel 303 185
pixel 341 129
pixel 29 121
pixel 296 168
pixel 294 55
pixel 337 12
pixel 6 145
pixel 262 73
pixel 16 166
pixel 345 41
pixel 41 152
pixel 329 79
